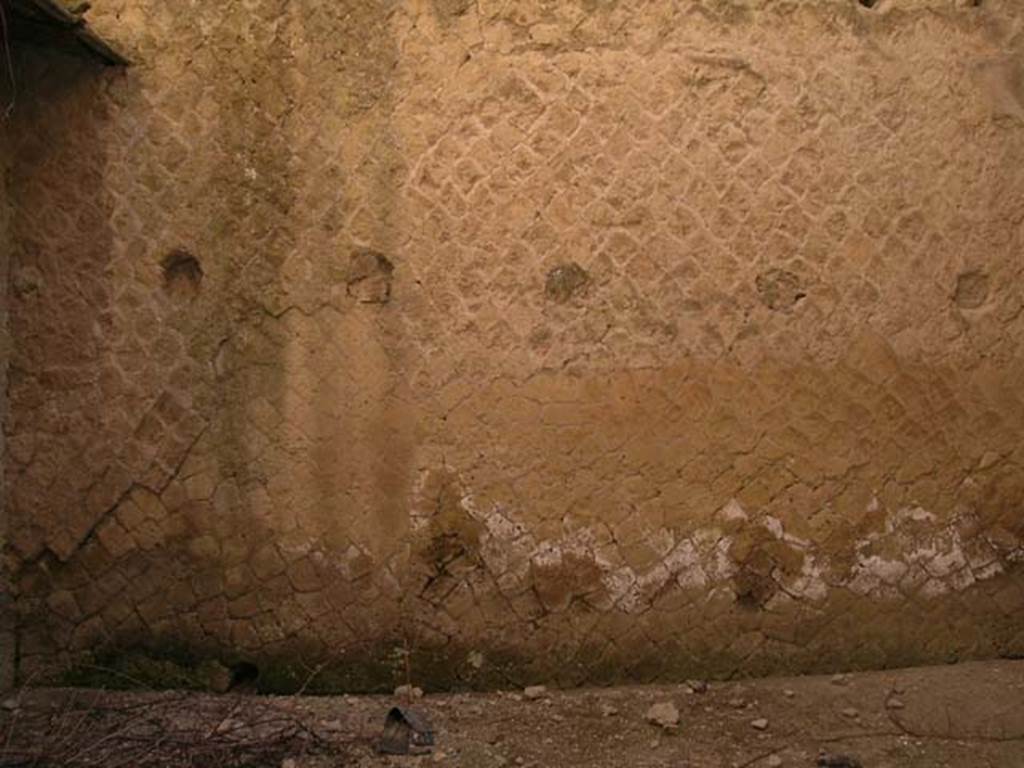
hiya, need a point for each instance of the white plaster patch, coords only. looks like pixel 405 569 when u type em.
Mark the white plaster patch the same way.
pixel 886 571
pixel 469 505
pixel 683 563
pixel 931 559
pixel 915 514
pixel 945 563
pixel 295 550
pixel 619 584
pixel 810 584
pixel 418 518
pixel 500 527
pixel 661 542
pixel 933 588
pixel 990 571
pixel 962 579
pixel 683 556
pixel 721 567
pixel 773 525
pixel 733 511
pixel 547 554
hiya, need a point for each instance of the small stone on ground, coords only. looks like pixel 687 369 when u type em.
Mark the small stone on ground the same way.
pixel 697 686
pixel 663 714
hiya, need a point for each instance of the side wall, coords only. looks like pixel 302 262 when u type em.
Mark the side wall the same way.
pixel 7 611
pixel 497 341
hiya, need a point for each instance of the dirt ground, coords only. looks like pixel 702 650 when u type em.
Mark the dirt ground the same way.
pixel 968 715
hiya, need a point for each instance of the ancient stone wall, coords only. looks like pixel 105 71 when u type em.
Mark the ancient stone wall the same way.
pixel 487 342
pixel 7 614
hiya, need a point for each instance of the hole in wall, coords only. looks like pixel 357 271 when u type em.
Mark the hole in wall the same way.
pixel 369 277
pixel 867 3
pixel 183 274
pixel 244 675
pixel 565 282
pixel 780 289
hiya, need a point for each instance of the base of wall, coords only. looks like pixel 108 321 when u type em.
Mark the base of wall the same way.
pixel 742 643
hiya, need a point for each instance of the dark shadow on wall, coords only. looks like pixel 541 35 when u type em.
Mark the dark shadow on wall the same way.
pixel 67 310
pixel 59 474
pixel 361 412
pixel 7 644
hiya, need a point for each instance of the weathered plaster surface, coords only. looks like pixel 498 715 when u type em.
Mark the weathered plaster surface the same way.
pixel 582 341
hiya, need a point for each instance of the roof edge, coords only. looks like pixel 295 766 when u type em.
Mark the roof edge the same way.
pixel 48 23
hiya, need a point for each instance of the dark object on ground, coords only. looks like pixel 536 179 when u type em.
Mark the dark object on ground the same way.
pixel 244 677
pixel 838 761
pixel 406 733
